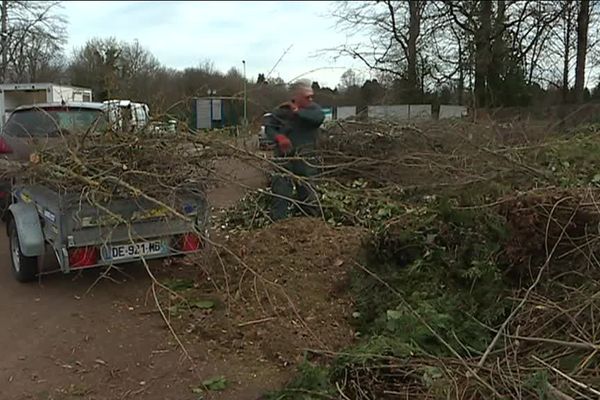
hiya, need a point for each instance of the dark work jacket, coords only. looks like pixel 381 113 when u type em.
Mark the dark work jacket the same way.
pixel 302 127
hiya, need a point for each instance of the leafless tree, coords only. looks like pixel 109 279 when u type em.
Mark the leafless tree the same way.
pixel 583 21
pixel 33 35
pixel 506 39
pixel 396 44
pixel 349 79
pixel 114 68
pixel 495 48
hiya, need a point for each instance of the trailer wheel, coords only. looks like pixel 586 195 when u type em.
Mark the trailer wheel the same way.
pixel 4 213
pixel 25 269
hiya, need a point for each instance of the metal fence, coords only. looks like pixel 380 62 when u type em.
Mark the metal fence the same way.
pixel 407 112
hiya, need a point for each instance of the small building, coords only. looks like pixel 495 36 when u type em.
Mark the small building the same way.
pixel 216 112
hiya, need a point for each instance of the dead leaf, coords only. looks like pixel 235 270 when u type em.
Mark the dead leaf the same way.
pixel 34 158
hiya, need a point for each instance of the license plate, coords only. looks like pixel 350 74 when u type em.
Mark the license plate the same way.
pixel 132 250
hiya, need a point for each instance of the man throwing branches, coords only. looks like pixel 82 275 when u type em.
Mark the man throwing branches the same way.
pixel 294 128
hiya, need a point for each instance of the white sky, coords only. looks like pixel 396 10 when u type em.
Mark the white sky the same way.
pixel 185 33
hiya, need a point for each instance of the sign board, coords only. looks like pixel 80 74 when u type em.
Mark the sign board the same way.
pixel 328 111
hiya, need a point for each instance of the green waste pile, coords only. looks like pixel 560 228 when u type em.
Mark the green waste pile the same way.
pixel 481 273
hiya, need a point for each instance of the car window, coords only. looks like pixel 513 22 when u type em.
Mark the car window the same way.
pixel 49 122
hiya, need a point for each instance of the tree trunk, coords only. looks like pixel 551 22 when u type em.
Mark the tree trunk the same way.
pixel 461 74
pixel 413 34
pixel 4 40
pixel 498 60
pixel 482 49
pixel 583 20
pixel 568 10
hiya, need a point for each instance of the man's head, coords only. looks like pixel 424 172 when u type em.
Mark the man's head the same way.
pixel 302 93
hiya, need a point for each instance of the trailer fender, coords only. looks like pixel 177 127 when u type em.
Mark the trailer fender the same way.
pixel 29 229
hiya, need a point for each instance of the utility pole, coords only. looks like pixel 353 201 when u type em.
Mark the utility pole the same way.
pixel 4 39
pixel 245 97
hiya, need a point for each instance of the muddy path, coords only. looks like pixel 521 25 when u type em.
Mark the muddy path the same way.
pixel 58 341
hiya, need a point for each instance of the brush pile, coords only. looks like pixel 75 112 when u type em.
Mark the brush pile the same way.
pixel 445 154
pixel 110 165
pixel 479 275
pixel 482 267
pixel 496 302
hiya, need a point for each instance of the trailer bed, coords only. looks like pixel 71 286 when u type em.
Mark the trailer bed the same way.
pixel 120 230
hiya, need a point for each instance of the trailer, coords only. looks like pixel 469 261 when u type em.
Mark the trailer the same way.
pixel 44 223
pixel 13 95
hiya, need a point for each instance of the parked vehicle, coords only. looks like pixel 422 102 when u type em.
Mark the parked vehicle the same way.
pixel 14 95
pixel 127 115
pixel 41 124
pixel 32 125
pixel 264 143
pixel 43 223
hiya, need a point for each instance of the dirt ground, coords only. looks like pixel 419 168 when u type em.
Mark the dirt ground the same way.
pixel 61 342
pixel 279 292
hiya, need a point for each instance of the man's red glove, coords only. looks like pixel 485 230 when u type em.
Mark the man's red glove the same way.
pixel 283 143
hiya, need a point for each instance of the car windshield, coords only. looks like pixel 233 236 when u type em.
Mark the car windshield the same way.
pixel 48 122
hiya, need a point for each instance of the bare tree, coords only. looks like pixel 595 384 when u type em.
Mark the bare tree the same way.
pixel 415 8
pixel 137 69
pixel 40 58
pixel 4 40
pixel 349 79
pixel 504 41
pixel 583 20
pixel 96 65
pixel 483 55
pixel 33 37
pixel 567 29
pixel 114 68
pixel 396 44
pixel 136 59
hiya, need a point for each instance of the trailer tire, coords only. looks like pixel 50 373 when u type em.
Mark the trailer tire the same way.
pixel 25 269
pixel 4 212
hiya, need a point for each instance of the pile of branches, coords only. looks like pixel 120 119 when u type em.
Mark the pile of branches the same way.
pixel 546 270
pixel 539 251
pixel 483 268
pixel 115 165
pixel 452 155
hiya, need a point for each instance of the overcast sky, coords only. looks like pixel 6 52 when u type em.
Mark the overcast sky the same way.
pixel 185 33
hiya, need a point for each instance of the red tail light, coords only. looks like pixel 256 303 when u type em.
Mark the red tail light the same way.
pixel 82 257
pixel 4 147
pixel 190 242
